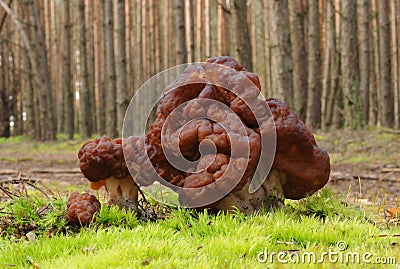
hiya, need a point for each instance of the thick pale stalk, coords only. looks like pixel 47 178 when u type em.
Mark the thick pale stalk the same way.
pixel 122 192
pixel 269 195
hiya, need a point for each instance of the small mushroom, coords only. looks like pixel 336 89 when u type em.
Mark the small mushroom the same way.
pixel 102 163
pixel 81 208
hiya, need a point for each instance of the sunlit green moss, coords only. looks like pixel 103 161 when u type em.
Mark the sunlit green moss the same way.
pixel 190 239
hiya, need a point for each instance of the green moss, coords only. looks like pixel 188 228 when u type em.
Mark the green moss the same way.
pixel 190 239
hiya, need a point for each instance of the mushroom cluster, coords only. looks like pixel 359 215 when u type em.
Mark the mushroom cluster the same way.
pixel 210 142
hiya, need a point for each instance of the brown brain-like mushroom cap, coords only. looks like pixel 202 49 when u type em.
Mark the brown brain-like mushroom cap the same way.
pixel 228 130
pixel 101 158
pixel 297 155
pixel 82 207
pixel 306 166
pixel 103 163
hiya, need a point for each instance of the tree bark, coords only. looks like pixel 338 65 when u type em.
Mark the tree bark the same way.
pixel 110 90
pixel 67 77
pixel 84 96
pixel 375 63
pixel 122 86
pixel 268 74
pixel 332 76
pixel 54 60
pixel 281 65
pixel 314 67
pixel 214 28
pixel 5 106
pixel 299 57
pixel 398 56
pixel 243 44
pixel 31 115
pixel 395 64
pixel 258 35
pixel 353 112
pixel 364 36
pixel 386 97
pixel 46 98
pixel 181 53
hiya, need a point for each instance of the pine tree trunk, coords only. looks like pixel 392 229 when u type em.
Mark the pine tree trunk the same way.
pixel 299 57
pixel 157 36
pixel 191 11
pixel 395 64
pixel 5 108
pixel 98 64
pixel 151 39
pixel 281 63
pixel 224 29
pixel 145 46
pixel 259 40
pixel 338 114
pixel 54 60
pixel 31 116
pixel 243 44
pixel 110 89
pixel 181 54
pixel 46 98
pixel 332 84
pixel 84 96
pixel 376 63
pixel 29 100
pixel 353 110
pixel 138 70
pixel 386 97
pixel 398 56
pixel 364 36
pixel 18 81
pixel 214 28
pixel 314 67
pixel 122 86
pixel 67 77
pixel 268 74
pixel 89 17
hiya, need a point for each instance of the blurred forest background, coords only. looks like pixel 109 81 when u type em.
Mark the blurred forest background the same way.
pixel 72 66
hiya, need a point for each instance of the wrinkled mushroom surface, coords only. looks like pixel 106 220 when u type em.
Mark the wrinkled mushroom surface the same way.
pixel 81 208
pixel 102 162
pixel 218 143
pixel 306 165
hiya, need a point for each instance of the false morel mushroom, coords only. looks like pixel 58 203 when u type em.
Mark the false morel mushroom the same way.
pixel 82 207
pixel 216 143
pixel 102 163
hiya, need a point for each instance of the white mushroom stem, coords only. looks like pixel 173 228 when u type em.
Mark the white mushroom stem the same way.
pixel 270 194
pixel 122 192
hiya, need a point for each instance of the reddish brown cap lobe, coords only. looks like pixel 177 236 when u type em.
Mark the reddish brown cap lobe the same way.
pixel 82 207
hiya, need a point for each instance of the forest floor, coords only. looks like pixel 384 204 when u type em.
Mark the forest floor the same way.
pixel 365 165
pixel 351 220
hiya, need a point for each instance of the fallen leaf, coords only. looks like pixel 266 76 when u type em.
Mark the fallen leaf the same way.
pixel 392 212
